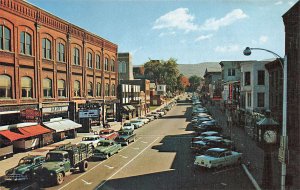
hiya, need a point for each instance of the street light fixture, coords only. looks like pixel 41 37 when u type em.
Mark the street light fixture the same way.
pixel 283 142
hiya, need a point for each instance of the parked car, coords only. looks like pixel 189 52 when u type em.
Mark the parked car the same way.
pixel 137 123
pixel 25 168
pixel 129 126
pixel 108 134
pixel 150 117
pixel 105 149
pixel 218 157
pixel 161 113
pixel 91 139
pixel 125 137
pixel 205 134
pixel 162 110
pixel 203 128
pixel 144 119
pixel 200 147
pixel 155 114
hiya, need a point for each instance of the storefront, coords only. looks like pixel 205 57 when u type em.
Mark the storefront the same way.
pixel 54 110
pixel 110 110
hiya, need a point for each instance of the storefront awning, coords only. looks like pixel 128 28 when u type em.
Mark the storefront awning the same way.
pixel 12 136
pixel 62 125
pixel 34 130
pixel 131 107
pixel 126 108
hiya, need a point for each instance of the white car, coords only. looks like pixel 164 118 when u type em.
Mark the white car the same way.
pixel 91 139
pixel 144 119
pixel 128 126
pixel 218 157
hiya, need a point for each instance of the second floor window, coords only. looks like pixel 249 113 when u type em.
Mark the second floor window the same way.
pixel 231 72
pixel 113 90
pixel 26 86
pixel 60 52
pixel 46 47
pixel 260 77
pixel 76 88
pixel 5 38
pixel 5 87
pixel 98 63
pixel 25 43
pixel 106 64
pixel 112 65
pixel 249 99
pixel 106 89
pixel 247 79
pixel 89 60
pixel 90 89
pixel 260 99
pixel 76 56
pixel 98 90
pixel 47 88
pixel 61 87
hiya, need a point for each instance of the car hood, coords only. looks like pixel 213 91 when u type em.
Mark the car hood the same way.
pixel 205 158
pixel 21 169
pixel 51 165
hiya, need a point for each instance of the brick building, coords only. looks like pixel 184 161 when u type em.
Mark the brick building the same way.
pixel 51 65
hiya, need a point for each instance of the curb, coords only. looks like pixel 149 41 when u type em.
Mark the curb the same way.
pixel 255 184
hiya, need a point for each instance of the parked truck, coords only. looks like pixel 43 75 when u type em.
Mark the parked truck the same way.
pixel 62 160
pixel 125 137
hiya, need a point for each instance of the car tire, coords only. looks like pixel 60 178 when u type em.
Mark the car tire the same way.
pixel 126 143
pixel 83 166
pixel 59 178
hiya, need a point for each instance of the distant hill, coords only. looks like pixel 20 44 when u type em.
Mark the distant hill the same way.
pixel 198 69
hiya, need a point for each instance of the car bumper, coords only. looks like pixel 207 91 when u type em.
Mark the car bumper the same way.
pixel 16 177
pixel 99 155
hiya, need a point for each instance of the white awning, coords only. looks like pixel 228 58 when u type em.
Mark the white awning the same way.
pixel 62 125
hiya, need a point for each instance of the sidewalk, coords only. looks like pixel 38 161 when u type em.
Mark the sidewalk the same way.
pixel 253 156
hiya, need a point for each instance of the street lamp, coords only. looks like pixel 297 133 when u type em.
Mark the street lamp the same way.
pixel 283 141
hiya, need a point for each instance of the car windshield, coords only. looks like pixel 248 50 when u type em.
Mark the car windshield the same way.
pixel 127 124
pixel 54 157
pixel 212 153
pixel 88 138
pixel 25 161
pixel 134 121
pixel 104 144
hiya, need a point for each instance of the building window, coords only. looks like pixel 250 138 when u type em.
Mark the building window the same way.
pixel 5 38
pixel 106 64
pixel 77 88
pixel 112 66
pixel 260 99
pixel 231 72
pixel 89 60
pixel 5 87
pixel 106 89
pixel 90 89
pixel 247 78
pixel 76 56
pixel 61 86
pixel 98 62
pixel 46 46
pixel 25 43
pixel 47 88
pixel 249 99
pixel 60 52
pixel 26 86
pixel 113 90
pixel 261 77
pixel 99 87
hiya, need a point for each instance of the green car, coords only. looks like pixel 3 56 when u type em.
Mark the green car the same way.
pixel 105 149
pixel 25 168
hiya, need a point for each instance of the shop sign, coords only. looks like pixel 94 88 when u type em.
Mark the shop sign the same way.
pixel 30 115
pixel 55 109
pixel 89 113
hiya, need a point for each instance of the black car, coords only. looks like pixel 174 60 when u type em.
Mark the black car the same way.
pixel 199 147
pixel 208 127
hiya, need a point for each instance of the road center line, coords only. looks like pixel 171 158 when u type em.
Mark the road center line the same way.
pixel 110 167
pixel 98 187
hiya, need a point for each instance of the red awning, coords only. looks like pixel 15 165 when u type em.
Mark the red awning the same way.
pixel 12 136
pixel 34 130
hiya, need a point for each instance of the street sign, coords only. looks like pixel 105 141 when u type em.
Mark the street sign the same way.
pixel 88 113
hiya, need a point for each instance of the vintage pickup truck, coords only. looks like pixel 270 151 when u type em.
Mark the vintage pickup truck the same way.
pixel 62 160
pixel 25 168
pixel 125 137
pixel 105 149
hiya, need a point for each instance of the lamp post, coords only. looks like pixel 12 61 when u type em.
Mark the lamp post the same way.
pixel 283 141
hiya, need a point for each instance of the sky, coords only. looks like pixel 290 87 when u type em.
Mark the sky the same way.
pixel 191 31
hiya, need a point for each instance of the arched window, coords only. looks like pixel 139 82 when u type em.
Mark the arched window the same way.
pixel 77 88
pixel 61 86
pixel 90 89
pixel 89 60
pixel 46 47
pixel 5 86
pixel 99 87
pixel 106 89
pixel 60 52
pixel 25 43
pixel 47 88
pixel 98 62
pixel 76 56
pixel 112 65
pixel 26 86
pixel 113 90
pixel 5 38
pixel 106 64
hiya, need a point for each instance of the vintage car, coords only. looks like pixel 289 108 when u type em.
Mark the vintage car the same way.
pixel 128 126
pixel 160 114
pixel 91 139
pixel 154 114
pixel 105 149
pixel 125 137
pixel 200 147
pixel 108 134
pixel 137 123
pixel 205 134
pixel 144 119
pixel 208 126
pixel 150 117
pixel 25 168
pixel 218 157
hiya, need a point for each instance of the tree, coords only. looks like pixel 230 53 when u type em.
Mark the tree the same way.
pixel 194 82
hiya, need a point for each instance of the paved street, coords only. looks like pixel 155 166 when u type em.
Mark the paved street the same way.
pixel 160 158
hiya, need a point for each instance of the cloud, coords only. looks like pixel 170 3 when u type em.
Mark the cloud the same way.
pixel 171 33
pixel 229 18
pixel 278 3
pixel 228 48
pixel 203 37
pixel 177 19
pixel 132 52
pixel 263 39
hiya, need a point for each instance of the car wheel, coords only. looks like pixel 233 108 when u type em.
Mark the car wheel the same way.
pixel 59 178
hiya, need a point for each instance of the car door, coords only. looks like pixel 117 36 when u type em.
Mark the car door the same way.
pixel 221 159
